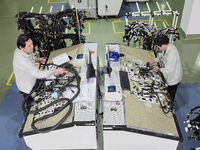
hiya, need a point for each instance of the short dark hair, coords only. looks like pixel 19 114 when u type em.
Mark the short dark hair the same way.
pixel 161 39
pixel 22 38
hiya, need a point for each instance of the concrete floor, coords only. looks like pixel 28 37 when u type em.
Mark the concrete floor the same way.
pixel 101 31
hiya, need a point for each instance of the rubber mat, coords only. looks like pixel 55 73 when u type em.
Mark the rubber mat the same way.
pixel 11 118
pixel 187 97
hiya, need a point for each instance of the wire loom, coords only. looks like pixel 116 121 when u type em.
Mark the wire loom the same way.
pixel 49 36
pixel 193 123
pixel 145 33
pixel 144 72
pixel 44 92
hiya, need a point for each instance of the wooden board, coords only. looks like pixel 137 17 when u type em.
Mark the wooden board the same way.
pixel 139 113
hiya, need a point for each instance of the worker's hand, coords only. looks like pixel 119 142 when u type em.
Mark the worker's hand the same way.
pixel 59 71
pixel 151 62
pixel 40 60
pixel 156 69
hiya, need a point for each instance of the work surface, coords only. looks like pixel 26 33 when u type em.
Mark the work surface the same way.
pixel 144 114
pixel 72 51
pixel 135 112
pixel 79 116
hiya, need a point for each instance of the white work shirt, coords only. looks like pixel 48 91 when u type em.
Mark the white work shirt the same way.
pixel 25 71
pixel 171 65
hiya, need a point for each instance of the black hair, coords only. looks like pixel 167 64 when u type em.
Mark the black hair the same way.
pixel 161 39
pixel 22 38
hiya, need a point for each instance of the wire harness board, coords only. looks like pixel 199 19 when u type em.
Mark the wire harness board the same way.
pixel 145 108
pixel 49 98
pixel 147 85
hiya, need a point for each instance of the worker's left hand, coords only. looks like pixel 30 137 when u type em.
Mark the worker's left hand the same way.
pixel 156 69
pixel 40 60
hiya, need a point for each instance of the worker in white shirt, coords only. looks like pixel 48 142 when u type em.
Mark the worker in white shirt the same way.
pixel 170 64
pixel 26 73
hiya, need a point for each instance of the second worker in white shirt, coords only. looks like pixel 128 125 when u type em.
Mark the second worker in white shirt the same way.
pixel 170 64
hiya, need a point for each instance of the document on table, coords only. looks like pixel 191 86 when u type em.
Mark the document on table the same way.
pixel 60 59
pixel 87 91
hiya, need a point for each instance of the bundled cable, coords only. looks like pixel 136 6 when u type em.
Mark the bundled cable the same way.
pixel 154 90
pixel 145 33
pixel 193 123
pixel 45 105
pixel 49 32
pixel 166 104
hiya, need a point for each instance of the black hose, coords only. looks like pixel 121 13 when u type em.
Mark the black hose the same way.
pixel 69 103
pixel 41 87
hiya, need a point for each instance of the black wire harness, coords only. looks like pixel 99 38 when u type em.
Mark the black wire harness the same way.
pixel 145 33
pixel 155 88
pixel 49 32
pixel 193 123
pixel 44 105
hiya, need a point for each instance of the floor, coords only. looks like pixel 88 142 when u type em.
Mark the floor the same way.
pixel 100 31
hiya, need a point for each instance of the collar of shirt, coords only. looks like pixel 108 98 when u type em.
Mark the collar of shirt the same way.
pixel 23 53
pixel 168 49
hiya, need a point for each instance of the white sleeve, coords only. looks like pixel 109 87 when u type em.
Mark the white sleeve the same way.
pixel 30 67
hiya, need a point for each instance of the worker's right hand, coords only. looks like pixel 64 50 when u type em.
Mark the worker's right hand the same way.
pixel 59 71
pixel 151 62
pixel 155 69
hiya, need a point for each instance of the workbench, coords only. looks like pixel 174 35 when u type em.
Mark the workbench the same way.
pixel 136 119
pixel 79 130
